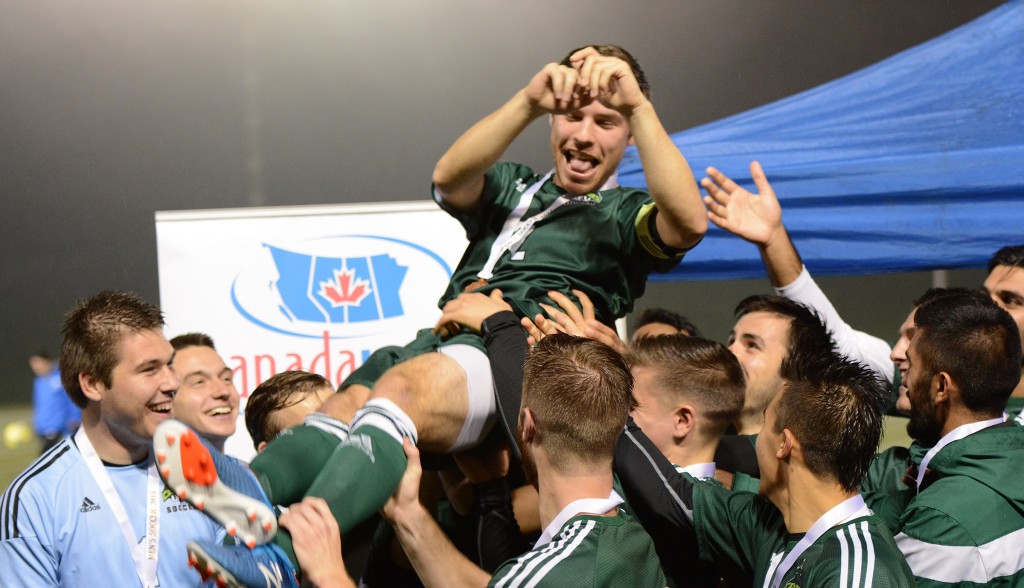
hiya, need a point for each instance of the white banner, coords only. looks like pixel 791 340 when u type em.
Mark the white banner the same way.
pixel 315 288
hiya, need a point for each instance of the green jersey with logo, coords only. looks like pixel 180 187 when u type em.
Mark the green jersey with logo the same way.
pixel 601 243
pixel 966 525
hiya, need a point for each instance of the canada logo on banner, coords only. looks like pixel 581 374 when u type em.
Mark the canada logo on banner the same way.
pixel 315 288
pixel 303 291
pixel 338 289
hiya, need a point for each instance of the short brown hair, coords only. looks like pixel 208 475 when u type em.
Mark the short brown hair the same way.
pixel 833 406
pixel 92 332
pixel 277 393
pixel 694 370
pixel 192 340
pixel 579 392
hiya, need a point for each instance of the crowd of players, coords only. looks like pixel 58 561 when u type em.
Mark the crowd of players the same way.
pixel 520 441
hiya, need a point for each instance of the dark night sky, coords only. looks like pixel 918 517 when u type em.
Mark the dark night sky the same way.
pixel 111 110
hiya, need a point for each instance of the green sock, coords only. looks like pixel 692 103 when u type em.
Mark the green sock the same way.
pixel 288 466
pixel 361 475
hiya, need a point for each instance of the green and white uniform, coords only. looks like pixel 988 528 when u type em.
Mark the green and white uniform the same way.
pixel 744 535
pixel 601 243
pixel 604 244
pixel 966 528
pixel 885 487
pixel 586 550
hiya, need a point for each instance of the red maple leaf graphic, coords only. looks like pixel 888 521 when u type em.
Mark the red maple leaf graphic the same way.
pixel 345 289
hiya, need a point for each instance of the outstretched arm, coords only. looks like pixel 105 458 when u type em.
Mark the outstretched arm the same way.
pixel 459 174
pixel 757 218
pixel 681 219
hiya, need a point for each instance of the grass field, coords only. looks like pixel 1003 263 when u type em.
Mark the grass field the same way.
pixel 15 459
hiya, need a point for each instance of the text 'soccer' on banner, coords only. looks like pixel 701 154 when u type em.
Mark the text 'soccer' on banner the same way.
pixel 314 288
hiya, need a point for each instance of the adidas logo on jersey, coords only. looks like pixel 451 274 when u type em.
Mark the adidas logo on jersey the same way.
pixel 88 505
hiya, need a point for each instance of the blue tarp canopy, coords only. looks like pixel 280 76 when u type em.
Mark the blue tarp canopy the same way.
pixel 914 163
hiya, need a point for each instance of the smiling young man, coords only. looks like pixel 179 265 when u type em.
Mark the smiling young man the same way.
pixel 92 510
pixel 529 233
pixel 207 399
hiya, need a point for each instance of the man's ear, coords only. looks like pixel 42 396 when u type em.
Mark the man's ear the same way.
pixel 631 141
pixel 684 421
pixel 786 445
pixel 261 447
pixel 91 386
pixel 529 426
pixel 943 388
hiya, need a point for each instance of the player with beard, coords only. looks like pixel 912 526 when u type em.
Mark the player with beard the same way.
pixel 962 523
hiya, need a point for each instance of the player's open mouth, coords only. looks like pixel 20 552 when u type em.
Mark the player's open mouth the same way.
pixel 163 407
pixel 220 410
pixel 579 162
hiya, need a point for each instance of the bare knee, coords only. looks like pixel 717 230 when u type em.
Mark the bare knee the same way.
pixel 431 389
pixel 343 405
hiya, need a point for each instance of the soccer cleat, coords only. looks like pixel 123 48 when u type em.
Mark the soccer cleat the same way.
pixel 266 566
pixel 219 486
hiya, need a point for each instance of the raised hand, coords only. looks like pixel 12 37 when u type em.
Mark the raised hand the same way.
pixel 756 218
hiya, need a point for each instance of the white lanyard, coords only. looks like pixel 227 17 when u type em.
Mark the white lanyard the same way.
pixel 144 555
pixel 850 508
pixel 954 435
pixel 593 505
pixel 701 471
pixel 516 230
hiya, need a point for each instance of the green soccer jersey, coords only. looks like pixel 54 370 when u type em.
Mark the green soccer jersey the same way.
pixel 600 243
pixel 745 535
pixel 885 487
pixel 1014 406
pixel 589 550
pixel 966 527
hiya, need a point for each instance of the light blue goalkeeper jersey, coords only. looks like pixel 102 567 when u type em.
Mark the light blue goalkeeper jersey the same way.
pixel 57 528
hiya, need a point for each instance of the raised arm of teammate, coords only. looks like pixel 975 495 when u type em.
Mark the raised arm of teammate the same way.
pixel 757 218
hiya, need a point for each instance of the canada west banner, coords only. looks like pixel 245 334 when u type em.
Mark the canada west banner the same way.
pixel 315 288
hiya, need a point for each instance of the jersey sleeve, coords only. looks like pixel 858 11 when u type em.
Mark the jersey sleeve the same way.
pixel 857 345
pixel 941 552
pixel 659 496
pixel 27 555
pixel 495 199
pixel 650 248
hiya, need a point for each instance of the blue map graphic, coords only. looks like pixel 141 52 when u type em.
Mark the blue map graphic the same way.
pixel 322 289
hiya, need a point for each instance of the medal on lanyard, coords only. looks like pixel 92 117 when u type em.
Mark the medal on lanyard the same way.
pixel 145 555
